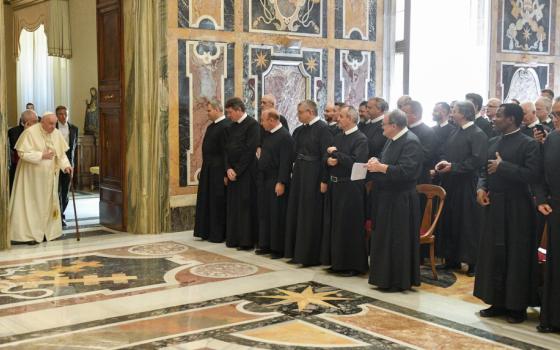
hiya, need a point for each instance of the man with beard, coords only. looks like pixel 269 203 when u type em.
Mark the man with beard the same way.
pixel 463 155
pixel 362 111
pixel 210 218
pixel 548 201
pixel 395 242
pixel 309 183
pixel 344 243
pixel 331 117
pixel 506 264
pixel 240 148
pixel 275 168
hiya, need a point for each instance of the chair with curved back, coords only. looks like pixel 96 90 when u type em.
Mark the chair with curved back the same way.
pixel 429 220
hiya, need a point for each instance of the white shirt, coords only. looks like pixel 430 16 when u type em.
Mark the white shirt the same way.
pixel 276 128
pixel 313 121
pixel 466 125
pixel 443 124
pixel 401 133
pixel 380 118
pixel 415 124
pixel 242 118
pixel 331 123
pixel 65 130
pixel 532 125
pixel 219 119
pixel 548 120
pixel 513 132
pixel 349 131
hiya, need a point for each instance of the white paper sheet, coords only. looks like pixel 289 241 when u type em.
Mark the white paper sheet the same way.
pixel 359 171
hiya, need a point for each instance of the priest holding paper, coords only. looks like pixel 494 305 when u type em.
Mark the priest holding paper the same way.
pixel 344 241
pixel 34 205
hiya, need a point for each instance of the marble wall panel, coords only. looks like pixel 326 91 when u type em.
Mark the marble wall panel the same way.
pixel 291 75
pixel 205 73
pixel 204 14
pixel 526 26
pixel 355 76
pixel 303 17
pixel 523 82
pixel 355 19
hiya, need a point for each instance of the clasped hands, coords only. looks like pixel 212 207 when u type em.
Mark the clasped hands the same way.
pixel 375 166
pixel 331 161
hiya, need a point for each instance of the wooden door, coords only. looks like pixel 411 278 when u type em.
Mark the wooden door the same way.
pixel 112 135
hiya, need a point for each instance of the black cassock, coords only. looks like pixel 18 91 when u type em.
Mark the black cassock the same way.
pixel 395 241
pixel 507 260
pixel 486 126
pixel 305 215
pixel 242 219
pixel 210 218
pixel 442 134
pixel 529 130
pixel 466 150
pixel 344 241
pixel 427 139
pixel 549 192
pixel 275 166
pixel 334 129
pixel 376 139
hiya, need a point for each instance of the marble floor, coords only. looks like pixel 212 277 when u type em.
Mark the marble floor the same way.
pixel 114 291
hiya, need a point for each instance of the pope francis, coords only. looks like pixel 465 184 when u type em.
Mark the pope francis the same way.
pixel 34 205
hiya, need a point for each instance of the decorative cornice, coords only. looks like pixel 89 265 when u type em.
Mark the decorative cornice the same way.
pixel 20 4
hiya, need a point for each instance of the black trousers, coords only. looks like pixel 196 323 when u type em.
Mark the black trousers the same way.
pixel 63 187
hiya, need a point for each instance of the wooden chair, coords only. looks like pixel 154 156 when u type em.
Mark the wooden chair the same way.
pixel 429 221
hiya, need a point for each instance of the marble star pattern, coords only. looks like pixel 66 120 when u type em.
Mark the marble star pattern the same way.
pixel 306 297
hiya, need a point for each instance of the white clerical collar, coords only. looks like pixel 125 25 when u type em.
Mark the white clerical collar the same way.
pixel 477 116
pixel 219 119
pixel 513 132
pixel 548 120
pixel 443 124
pixel 415 124
pixel 401 133
pixel 378 119
pixel 349 131
pixel 242 118
pixel 330 123
pixel 313 121
pixel 467 124
pixel 276 128
pixel 532 125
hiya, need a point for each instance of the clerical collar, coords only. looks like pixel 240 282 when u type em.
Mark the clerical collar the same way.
pixel 532 125
pixel 401 133
pixel 513 132
pixel 313 121
pixel 548 120
pixel 467 124
pixel 443 124
pixel 219 119
pixel 330 123
pixel 477 116
pixel 276 128
pixel 242 118
pixel 349 131
pixel 378 119
pixel 415 124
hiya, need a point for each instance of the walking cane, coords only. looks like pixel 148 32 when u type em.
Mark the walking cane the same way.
pixel 74 204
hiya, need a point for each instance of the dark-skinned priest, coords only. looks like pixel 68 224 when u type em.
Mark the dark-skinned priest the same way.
pixel 548 200
pixel 309 182
pixel 395 241
pixel 275 169
pixel 210 218
pixel 344 242
pixel 507 260
pixel 241 163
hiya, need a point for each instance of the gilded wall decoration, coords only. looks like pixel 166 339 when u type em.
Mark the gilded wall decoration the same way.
pixel 204 14
pixel 300 17
pixel 355 76
pixel 205 72
pixel 523 82
pixel 291 75
pixel 355 19
pixel 526 26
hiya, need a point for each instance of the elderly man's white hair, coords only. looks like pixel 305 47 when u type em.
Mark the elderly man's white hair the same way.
pixel 270 98
pixel 27 115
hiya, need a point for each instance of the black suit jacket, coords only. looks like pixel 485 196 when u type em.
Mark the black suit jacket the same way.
pixel 13 135
pixel 72 142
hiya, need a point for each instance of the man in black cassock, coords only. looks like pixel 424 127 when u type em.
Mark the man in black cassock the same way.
pixel 28 118
pixel 376 107
pixel 543 106
pixel 427 137
pixel 344 241
pixel 210 218
pixel 443 128
pixel 269 101
pixel 362 111
pixel 463 155
pixel 332 113
pixel 479 120
pixel 275 168
pixel 309 182
pixel 395 242
pixel 531 125
pixel 548 201
pixel 506 264
pixel 241 170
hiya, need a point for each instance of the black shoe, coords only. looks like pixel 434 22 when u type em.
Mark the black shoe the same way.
pixel 348 273
pixel 244 248
pixel 493 311
pixel 330 270
pixel 276 255
pixel 547 329
pixel 470 271
pixel 310 265
pixel 262 251
pixel 292 261
pixel 449 266
pixel 31 242
pixel 516 316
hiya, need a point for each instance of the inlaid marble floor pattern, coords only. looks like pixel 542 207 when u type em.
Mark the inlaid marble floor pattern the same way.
pixel 169 291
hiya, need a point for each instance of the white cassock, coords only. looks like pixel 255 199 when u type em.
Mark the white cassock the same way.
pixel 34 205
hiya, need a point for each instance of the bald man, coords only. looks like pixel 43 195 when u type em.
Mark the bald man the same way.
pixel 268 101
pixel 532 126
pixel 543 106
pixel 42 152
pixel 492 108
pixel 28 118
